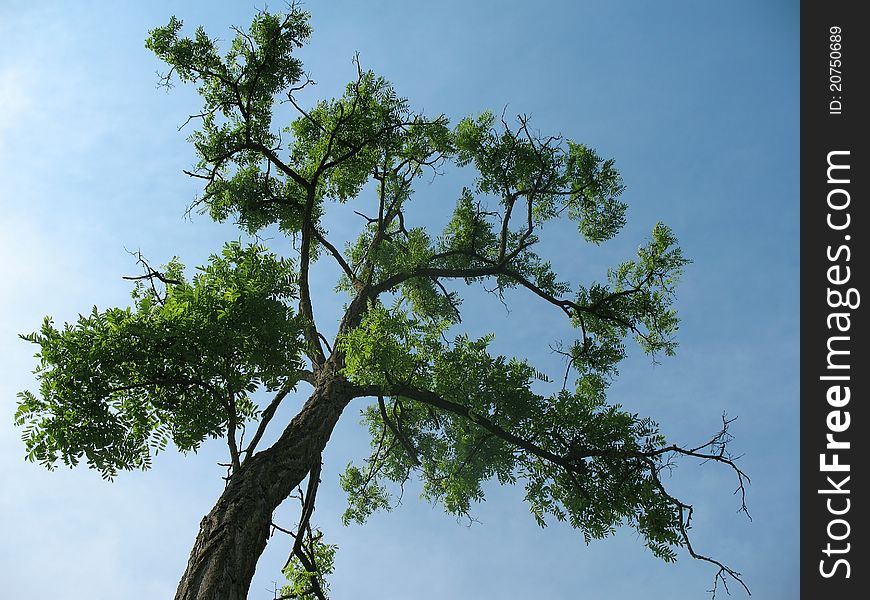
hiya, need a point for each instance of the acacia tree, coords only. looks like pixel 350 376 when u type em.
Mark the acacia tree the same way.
pixel 183 362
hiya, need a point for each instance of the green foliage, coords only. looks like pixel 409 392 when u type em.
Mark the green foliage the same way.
pixel 556 175
pixel 609 483
pixel 238 91
pixel 180 366
pixel 390 346
pixel 365 494
pixel 362 123
pixel 241 85
pixel 636 300
pixel 304 582
pixel 120 383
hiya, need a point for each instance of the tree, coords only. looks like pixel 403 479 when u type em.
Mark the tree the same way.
pixel 184 362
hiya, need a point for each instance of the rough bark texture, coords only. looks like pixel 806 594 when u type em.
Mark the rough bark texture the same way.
pixel 233 535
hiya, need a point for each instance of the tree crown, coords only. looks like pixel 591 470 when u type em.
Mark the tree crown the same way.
pixel 182 363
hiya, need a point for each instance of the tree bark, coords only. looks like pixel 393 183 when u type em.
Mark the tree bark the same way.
pixel 233 535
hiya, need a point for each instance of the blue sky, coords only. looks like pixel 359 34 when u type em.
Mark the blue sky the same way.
pixel 697 102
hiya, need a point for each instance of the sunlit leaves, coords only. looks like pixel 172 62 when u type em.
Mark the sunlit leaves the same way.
pixel 581 460
pixel 390 345
pixel 637 301
pixel 343 140
pixel 550 175
pixel 469 235
pixel 365 494
pixel 119 383
pixel 595 186
pixel 241 85
pixel 239 90
pixel 448 410
pixel 303 582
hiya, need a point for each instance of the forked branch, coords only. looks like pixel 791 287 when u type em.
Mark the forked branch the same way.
pixel 574 460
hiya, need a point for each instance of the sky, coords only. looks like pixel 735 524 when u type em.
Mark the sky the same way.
pixel 696 101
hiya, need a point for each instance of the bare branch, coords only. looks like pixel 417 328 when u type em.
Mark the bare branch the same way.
pixel 151 274
pixel 685 518
pixel 304 533
pixel 267 417
pixel 232 424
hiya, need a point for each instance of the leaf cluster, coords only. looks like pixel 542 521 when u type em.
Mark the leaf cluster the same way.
pixel 459 417
pixel 120 383
pixel 309 582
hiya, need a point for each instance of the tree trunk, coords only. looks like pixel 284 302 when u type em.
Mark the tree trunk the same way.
pixel 233 535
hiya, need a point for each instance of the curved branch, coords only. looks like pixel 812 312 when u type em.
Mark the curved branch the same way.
pixel 398 434
pixel 436 401
pixel 573 463
pixel 305 309
pixel 321 239
pixel 502 268
pixel 685 518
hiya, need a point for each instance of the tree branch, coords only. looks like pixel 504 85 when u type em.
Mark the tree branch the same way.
pixel 232 423
pixel 267 417
pixel 398 433
pixel 305 309
pixel 573 461
pixel 307 556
